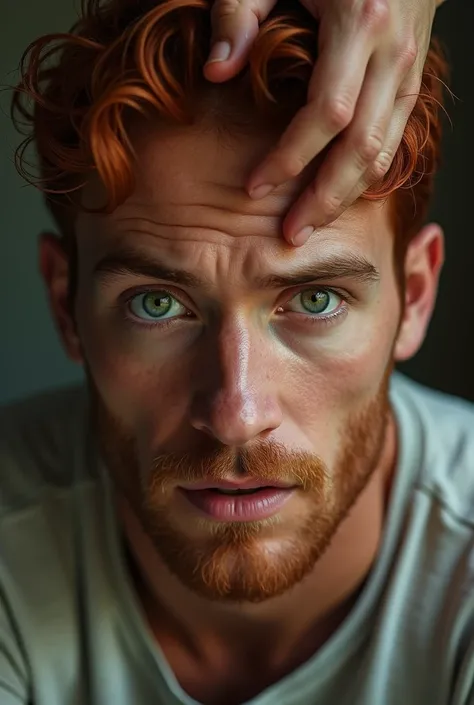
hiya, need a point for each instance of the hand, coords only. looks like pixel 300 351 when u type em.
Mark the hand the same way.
pixel 363 87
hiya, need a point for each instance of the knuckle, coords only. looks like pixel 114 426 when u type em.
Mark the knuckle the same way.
pixel 222 9
pixel 327 203
pixel 405 52
pixel 375 14
pixel 380 167
pixel 338 113
pixel 291 165
pixel 368 146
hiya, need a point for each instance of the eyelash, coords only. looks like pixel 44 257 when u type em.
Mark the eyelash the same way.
pixel 322 320
pixel 327 320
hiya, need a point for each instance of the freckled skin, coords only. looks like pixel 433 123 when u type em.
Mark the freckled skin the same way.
pixel 200 218
pixel 240 366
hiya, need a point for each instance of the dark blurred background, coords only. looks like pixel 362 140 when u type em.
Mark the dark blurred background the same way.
pixel 30 354
pixel 446 360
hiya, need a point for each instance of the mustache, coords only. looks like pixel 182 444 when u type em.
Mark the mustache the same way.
pixel 266 462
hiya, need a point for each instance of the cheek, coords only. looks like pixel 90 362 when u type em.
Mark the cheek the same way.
pixel 137 375
pixel 336 377
pixel 356 371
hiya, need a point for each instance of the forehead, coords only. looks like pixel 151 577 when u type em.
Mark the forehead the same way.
pixel 190 193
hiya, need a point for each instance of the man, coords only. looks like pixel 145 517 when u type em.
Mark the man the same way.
pixel 245 505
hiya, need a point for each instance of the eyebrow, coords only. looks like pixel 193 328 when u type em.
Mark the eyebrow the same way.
pixel 339 266
pixel 128 262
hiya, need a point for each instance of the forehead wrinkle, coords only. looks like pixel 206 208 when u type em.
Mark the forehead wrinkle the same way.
pixel 202 185
pixel 271 206
pixel 180 191
pixel 205 201
pixel 211 221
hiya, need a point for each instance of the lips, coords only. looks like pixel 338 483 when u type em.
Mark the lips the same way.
pixel 237 502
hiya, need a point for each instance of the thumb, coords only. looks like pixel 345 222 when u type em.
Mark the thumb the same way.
pixel 235 26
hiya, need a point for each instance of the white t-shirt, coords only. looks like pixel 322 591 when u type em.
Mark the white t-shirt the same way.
pixel 71 630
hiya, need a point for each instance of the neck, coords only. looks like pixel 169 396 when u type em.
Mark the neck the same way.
pixel 297 623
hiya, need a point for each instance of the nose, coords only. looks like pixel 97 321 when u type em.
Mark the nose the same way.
pixel 236 400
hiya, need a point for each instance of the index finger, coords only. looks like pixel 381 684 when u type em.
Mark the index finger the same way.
pixel 235 25
pixel 334 89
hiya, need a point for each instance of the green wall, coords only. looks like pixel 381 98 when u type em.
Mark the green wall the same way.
pixel 30 355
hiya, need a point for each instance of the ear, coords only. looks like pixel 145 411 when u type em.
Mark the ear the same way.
pixel 423 262
pixel 54 267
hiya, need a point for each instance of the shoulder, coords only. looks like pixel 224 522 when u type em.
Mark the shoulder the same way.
pixel 447 412
pixel 40 439
pixel 431 579
pixel 43 462
pixel 439 430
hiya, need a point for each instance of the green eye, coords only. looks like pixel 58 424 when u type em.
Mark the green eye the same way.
pixel 315 301
pixel 155 305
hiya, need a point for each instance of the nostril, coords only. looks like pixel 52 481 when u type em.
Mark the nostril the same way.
pixel 204 429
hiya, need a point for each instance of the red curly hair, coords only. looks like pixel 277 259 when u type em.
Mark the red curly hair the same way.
pixel 123 58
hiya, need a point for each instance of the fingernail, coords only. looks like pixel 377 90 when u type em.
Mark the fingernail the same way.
pixel 301 237
pixel 219 52
pixel 260 191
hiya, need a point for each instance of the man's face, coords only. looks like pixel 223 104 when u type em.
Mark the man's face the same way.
pixel 216 352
